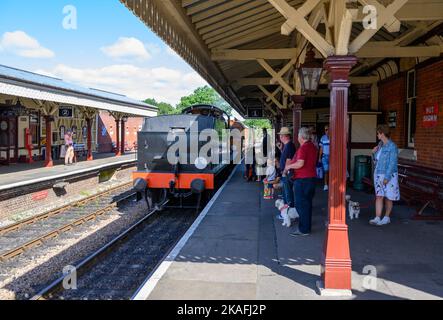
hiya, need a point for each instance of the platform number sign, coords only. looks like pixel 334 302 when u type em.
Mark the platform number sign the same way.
pixel 65 112
pixel 255 112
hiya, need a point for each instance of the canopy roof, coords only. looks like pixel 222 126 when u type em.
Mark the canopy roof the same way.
pixel 248 49
pixel 20 83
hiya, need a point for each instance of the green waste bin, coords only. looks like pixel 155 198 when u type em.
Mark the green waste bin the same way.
pixel 362 168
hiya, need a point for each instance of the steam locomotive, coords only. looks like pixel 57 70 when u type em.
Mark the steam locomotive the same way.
pixel 169 162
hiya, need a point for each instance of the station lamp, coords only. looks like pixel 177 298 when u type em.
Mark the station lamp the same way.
pixel 125 118
pixel 310 72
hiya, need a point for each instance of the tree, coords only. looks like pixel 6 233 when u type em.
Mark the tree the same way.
pixel 204 95
pixel 258 123
pixel 163 107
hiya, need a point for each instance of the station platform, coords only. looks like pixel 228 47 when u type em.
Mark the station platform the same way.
pixel 27 190
pixel 18 175
pixel 237 249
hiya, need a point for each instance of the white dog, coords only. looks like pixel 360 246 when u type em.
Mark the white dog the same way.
pixel 353 208
pixel 286 212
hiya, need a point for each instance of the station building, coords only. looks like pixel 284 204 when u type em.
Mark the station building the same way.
pixel 349 64
pixel 37 110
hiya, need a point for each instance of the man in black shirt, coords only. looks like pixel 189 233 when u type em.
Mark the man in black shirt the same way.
pixel 288 152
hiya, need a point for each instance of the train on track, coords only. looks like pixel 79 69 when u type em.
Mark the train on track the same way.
pixel 170 162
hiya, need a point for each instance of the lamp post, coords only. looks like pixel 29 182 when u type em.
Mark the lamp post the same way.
pixel 309 73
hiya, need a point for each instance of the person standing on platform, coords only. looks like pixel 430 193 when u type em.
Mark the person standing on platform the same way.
pixel 313 135
pixel 288 151
pixel 69 146
pixel 324 156
pixel 304 176
pixel 387 189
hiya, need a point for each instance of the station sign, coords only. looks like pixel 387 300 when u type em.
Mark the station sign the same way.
pixel 430 116
pixel 255 112
pixel 65 112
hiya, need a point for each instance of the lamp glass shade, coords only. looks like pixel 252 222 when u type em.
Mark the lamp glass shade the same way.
pixel 310 78
pixel 310 72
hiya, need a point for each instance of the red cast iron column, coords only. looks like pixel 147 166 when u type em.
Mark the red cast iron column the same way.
pixel 48 156
pixel 117 137
pixel 296 117
pixel 336 262
pixel 89 139
pixel 123 133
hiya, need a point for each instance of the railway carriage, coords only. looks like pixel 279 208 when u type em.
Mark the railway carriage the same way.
pixel 163 174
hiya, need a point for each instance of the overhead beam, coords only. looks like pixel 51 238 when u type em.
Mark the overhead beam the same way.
pixel 381 51
pixel 266 81
pixel 383 17
pixel 268 54
pixel 413 11
pixel 277 76
pixel 296 20
pixel 393 24
pixel 343 32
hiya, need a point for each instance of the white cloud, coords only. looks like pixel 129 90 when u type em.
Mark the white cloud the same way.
pixel 127 48
pixel 23 45
pixel 163 84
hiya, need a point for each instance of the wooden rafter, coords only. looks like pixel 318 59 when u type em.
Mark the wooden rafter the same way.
pixel 296 20
pixel 384 16
pixel 278 76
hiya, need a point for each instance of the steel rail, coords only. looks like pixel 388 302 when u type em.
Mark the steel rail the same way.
pixel 94 258
pixel 31 220
pixel 68 226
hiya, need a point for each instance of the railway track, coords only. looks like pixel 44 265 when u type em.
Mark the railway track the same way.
pixel 35 231
pixel 117 270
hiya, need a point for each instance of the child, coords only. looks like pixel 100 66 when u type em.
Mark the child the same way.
pixel 271 176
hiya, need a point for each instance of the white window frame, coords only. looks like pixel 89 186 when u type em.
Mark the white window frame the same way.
pixel 410 99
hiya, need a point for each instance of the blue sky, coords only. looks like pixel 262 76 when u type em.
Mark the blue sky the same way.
pixel 111 49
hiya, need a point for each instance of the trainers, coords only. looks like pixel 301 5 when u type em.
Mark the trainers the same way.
pixel 384 221
pixel 298 233
pixel 375 221
pixel 325 188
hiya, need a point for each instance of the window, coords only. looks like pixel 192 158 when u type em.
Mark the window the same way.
pixel 411 108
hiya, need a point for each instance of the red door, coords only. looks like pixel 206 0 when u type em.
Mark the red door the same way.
pixel 8 140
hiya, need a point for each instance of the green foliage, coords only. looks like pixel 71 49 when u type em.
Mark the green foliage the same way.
pixel 258 123
pixel 163 107
pixel 202 95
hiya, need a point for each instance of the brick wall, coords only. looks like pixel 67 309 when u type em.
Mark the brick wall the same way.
pixel 107 131
pixel 42 199
pixel 429 141
pixel 392 97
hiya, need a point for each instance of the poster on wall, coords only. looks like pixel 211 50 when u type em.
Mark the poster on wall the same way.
pixel 430 116
pixel 392 119
pixel 62 132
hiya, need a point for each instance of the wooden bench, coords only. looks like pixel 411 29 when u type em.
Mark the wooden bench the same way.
pixel 419 187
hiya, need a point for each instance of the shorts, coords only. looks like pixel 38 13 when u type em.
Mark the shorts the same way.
pixel 325 162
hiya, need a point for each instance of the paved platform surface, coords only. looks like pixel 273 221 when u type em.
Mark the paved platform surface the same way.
pixel 241 251
pixel 22 174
